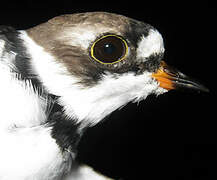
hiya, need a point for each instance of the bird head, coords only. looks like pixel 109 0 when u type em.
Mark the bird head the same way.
pixel 98 62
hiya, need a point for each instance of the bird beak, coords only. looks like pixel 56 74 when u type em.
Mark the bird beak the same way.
pixel 170 78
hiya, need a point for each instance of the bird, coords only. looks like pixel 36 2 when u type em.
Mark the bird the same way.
pixel 66 75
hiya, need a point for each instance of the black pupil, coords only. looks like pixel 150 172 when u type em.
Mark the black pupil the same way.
pixel 109 49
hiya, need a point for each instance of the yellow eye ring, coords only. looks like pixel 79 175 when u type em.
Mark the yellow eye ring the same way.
pixel 109 49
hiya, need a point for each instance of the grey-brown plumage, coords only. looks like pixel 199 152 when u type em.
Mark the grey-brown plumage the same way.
pixel 56 37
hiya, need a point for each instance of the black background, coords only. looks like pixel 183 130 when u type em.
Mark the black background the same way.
pixel 172 136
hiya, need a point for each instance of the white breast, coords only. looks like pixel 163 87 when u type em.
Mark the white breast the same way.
pixel 28 152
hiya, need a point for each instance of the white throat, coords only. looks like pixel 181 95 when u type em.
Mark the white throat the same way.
pixel 91 105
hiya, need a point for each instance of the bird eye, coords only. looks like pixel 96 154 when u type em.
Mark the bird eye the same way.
pixel 109 49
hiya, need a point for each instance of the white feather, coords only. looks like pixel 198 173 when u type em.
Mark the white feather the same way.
pixel 30 154
pixel 151 44
pixel 19 104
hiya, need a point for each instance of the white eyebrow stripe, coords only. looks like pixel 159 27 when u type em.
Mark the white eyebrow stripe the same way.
pixel 151 44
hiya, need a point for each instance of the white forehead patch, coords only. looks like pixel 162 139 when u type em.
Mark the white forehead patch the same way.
pixel 152 44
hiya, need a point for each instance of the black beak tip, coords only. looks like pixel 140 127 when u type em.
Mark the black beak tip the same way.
pixel 200 88
pixel 185 82
pixel 204 89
